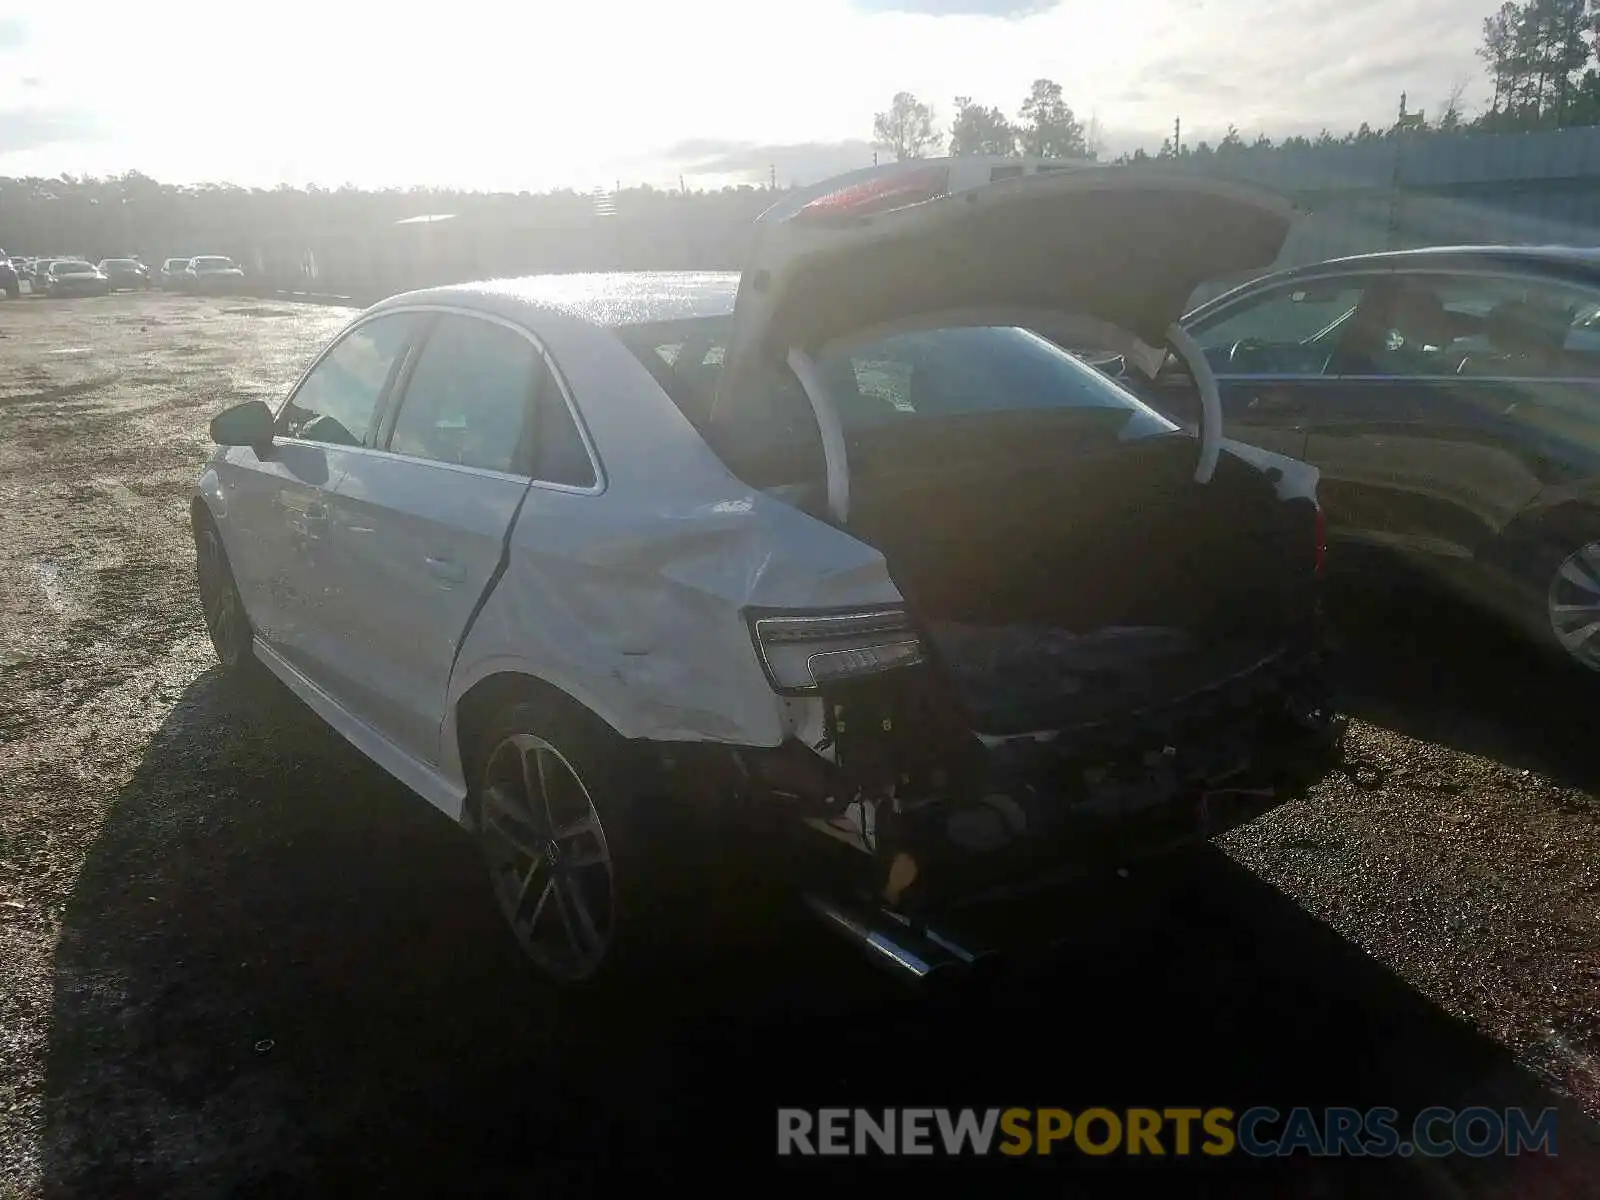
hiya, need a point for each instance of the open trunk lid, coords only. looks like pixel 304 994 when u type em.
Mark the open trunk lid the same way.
pixel 1124 246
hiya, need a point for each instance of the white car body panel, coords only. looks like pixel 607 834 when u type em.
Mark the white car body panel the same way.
pixel 416 544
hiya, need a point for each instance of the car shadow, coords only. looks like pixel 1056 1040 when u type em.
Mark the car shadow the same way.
pixel 1425 665
pixel 279 974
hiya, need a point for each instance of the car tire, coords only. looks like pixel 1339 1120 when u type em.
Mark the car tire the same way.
pixel 13 290
pixel 227 623
pixel 1562 564
pixel 563 819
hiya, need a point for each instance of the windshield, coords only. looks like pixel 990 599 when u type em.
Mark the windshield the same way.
pixel 912 378
pixel 73 268
pixel 119 263
pixel 213 264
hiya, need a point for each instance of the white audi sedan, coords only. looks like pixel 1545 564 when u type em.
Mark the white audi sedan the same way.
pixel 847 541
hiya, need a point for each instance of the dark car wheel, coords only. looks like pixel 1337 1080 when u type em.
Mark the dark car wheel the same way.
pixel 1572 604
pixel 226 620
pixel 13 289
pixel 559 829
pixel 1555 568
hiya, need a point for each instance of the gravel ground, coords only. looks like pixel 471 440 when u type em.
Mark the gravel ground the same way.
pixel 238 960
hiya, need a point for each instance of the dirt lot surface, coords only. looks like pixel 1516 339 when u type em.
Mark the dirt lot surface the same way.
pixel 236 959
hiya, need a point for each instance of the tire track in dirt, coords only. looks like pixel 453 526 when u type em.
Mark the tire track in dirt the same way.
pixel 99 630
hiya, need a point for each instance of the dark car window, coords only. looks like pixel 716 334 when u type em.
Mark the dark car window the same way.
pixel 1288 330
pixel 337 400
pixel 969 371
pixel 470 397
pixel 559 453
pixel 1479 326
pixel 770 437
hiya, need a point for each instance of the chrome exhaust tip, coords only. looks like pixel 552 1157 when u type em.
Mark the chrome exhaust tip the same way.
pixel 919 956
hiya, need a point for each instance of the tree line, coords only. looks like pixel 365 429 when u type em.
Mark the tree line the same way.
pixel 1542 58
pixel 1046 127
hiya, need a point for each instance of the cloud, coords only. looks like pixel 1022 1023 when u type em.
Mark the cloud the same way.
pixel 33 128
pixel 1276 66
pixel 1282 79
pixel 1008 9
pixel 697 149
pixel 793 163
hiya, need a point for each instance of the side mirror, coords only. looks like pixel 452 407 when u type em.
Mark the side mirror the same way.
pixel 247 424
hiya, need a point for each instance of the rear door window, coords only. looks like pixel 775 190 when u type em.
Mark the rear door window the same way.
pixel 1489 326
pixel 469 400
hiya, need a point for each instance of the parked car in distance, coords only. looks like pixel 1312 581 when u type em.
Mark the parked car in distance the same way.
pixel 10 280
pixel 127 273
pixel 1450 398
pixel 74 277
pixel 172 273
pixel 835 541
pixel 211 273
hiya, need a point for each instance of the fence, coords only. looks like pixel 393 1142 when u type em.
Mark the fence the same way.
pixel 1421 190
pixel 1407 190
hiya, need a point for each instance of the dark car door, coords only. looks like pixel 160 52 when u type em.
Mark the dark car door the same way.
pixel 1458 419
pixel 1272 351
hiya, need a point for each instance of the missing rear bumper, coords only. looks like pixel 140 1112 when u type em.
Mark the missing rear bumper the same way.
pixel 1023 810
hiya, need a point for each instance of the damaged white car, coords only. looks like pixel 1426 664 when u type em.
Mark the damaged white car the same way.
pixel 846 540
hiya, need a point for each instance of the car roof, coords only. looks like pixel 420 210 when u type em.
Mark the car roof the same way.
pixel 1579 257
pixel 1580 263
pixel 608 299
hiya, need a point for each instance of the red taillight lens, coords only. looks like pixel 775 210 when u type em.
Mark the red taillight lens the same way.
pixel 1322 541
pixel 900 190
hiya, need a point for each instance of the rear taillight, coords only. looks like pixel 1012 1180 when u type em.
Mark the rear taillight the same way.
pixel 896 190
pixel 1322 540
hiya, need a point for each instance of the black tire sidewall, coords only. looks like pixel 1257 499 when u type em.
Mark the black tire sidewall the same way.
pixel 241 665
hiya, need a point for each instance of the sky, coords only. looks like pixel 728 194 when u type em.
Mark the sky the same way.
pixel 538 94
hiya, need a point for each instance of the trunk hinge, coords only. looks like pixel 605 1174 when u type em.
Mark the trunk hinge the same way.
pixel 1210 399
pixel 833 444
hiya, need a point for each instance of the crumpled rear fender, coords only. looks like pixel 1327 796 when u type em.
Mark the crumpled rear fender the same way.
pixel 638 614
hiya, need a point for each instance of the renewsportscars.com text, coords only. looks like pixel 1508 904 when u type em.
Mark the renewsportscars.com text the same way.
pixel 1258 1132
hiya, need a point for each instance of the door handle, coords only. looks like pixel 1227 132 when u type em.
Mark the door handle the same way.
pixel 445 570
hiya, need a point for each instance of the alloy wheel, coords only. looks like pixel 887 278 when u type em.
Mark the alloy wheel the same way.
pixel 547 856
pixel 1573 603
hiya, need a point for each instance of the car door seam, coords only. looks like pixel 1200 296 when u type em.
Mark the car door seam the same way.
pixel 493 581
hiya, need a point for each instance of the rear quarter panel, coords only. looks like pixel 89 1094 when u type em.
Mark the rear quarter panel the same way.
pixel 631 600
